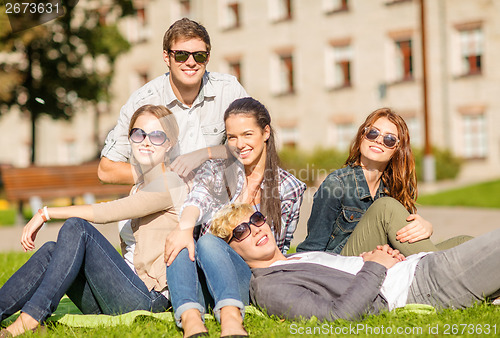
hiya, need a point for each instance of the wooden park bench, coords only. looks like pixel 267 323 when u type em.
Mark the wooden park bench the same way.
pixel 36 183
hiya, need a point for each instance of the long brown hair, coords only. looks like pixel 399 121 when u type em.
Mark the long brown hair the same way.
pixel 399 176
pixel 270 202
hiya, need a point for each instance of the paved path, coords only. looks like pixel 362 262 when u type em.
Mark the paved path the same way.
pixel 447 222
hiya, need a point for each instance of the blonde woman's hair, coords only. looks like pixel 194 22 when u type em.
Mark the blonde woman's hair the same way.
pixel 227 218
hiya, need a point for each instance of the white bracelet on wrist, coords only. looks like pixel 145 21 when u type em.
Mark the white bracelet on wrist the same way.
pixel 46 213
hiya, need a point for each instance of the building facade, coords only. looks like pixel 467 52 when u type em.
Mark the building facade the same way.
pixel 321 66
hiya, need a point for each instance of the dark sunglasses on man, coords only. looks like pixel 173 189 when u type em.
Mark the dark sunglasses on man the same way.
pixel 183 55
pixel 243 230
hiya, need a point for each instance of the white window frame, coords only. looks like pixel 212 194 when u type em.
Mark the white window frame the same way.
pixel 330 6
pixel 280 84
pixel 475 136
pixel 228 19
pixel 278 10
pixel 471 43
pixel 334 74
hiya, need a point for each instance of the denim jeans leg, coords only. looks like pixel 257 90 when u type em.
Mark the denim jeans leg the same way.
pixel 184 286
pixel 115 287
pixel 460 276
pixel 227 274
pixel 21 286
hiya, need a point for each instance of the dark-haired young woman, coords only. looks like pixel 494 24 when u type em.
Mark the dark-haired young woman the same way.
pixel 252 176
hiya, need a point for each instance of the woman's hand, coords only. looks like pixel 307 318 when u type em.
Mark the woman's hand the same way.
pixel 383 255
pixel 177 240
pixel 417 230
pixel 30 231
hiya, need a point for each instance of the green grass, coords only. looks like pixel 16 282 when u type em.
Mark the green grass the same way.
pixel 430 325
pixel 484 195
pixel 7 217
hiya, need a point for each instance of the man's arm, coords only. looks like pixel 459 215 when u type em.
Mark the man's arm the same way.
pixel 115 172
pixel 303 294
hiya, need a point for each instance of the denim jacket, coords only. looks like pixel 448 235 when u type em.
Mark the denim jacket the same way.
pixel 338 205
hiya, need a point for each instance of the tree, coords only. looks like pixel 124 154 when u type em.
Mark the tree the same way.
pixel 64 63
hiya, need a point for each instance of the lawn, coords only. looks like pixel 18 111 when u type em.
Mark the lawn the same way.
pixel 476 321
pixel 484 195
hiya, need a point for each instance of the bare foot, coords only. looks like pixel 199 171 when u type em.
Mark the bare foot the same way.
pixel 231 322
pixel 192 323
pixel 22 324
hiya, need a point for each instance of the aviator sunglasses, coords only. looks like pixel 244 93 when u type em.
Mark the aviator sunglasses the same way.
pixel 389 140
pixel 183 55
pixel 243 230
pixel 157 137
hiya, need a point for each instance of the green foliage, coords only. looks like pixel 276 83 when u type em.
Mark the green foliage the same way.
pixel 7 217
pixel 310 167
pixel 57 67
pixel 447 165
pixel 483 195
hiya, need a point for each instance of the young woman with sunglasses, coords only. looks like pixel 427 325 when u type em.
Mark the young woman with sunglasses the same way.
pixel 350 214
pixel 254 177
pixel 82 263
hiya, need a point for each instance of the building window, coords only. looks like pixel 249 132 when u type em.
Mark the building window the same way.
pixel 415 130
pixel 282 74
pixel 138 29
pixel 185 8
pixel 235 69
pixel 280 10
pixel 338 66
pixel 230 13
pixel 471 50
pixel 143 76
pixel 474 136
pixel 344 134
pixel 334 6
pixel 404 60
pixel 141 16
pixel 288 135
pixel 341 132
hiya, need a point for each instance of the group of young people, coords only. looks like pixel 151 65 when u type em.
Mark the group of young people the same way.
pixel 210 207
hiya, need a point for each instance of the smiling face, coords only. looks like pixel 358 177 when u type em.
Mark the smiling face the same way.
pixel 145 152
pixel 248 139
pixel 188 74
pixel 374 152
pixel 258 250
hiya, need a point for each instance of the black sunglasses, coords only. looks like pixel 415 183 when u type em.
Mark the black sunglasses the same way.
pixel 389 140
pixel 157 137
pixel 243 230
pixel 183 55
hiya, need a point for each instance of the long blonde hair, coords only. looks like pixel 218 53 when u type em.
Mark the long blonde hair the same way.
pixel 399 176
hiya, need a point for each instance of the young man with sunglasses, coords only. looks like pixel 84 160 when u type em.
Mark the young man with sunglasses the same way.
pixel 197 98
pixel 331 286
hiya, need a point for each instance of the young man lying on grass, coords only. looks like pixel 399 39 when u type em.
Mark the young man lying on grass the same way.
pixel 330 286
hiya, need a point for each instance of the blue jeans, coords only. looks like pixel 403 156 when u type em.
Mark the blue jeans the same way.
pixel 460 276
pixel 226 273
pixel 85 266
